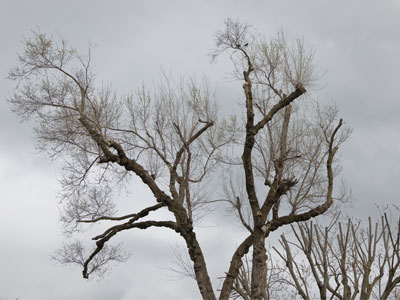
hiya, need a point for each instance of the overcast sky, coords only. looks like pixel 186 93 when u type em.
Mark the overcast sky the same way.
pixel 357 49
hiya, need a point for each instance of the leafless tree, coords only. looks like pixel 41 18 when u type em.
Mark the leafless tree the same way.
pixel 173 140
pixel 345 261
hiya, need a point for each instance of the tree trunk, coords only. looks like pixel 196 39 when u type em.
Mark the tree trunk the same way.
pixel 199 266
pixel 259 269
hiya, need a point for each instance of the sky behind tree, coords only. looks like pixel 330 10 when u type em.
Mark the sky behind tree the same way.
pixel 357 46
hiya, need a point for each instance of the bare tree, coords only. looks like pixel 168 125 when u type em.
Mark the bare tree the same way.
pixel 173 140
pixel 345 261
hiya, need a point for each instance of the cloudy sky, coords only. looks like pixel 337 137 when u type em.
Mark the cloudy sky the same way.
pixel 357 46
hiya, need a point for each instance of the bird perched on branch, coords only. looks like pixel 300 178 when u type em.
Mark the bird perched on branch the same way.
pixel 240 46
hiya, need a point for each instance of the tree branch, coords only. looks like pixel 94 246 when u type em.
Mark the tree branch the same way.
pixel 135 216
pixel 102 239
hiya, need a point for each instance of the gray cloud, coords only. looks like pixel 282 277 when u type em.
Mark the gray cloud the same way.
pixel 357 44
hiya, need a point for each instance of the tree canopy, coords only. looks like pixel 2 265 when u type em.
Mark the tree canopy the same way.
pixel 275 167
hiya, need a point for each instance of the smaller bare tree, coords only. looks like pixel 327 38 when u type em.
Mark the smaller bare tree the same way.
pixel 345 261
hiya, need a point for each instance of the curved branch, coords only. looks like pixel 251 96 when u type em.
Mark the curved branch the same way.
pixel 320 209
pixel 140 225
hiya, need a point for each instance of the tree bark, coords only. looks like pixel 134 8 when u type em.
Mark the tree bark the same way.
pixel 259 270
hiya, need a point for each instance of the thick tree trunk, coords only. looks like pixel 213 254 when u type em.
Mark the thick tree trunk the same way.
pixel 199 266
pixel 185 229
pixel 259 268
